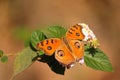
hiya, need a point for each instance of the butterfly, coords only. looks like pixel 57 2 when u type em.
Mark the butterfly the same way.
pixel 68 49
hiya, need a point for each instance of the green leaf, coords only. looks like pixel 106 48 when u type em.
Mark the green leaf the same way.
pixel 56 31
pixel 98 60
pixel 4 59
pixel 40 52
pixel 23 60
pixel 36 37
pixel 1 53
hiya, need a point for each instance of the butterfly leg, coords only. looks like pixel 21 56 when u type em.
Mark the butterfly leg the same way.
pixel 70 65
pixel 81 61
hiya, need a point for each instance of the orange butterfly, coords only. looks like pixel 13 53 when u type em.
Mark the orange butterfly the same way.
pixel 69 49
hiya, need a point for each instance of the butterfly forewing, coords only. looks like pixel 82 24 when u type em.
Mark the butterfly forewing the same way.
pixel 49 45
pixel 75 32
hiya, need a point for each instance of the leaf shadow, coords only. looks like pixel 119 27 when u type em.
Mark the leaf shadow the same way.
pixel 92 51
pixel 53 64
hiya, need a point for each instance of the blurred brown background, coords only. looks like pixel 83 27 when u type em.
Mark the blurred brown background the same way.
pixel 103 17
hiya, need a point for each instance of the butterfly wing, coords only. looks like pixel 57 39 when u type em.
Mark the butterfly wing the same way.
pixel 63 55
pixel 75 32
pixel 49 45
pixel 77 49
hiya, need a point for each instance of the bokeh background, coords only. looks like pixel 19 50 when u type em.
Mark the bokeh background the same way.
pixel 103 17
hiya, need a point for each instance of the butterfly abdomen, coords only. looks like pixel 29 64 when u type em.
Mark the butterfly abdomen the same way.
pixel 49 45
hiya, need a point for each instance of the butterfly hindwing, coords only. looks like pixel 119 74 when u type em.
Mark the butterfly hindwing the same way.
pixel 49 45
pixel 77 48
pixel 63 54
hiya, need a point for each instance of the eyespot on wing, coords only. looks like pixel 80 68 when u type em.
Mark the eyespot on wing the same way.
pixel 63 55
pixel 77 48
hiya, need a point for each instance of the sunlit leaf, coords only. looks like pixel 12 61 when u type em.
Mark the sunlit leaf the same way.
pixel 1 53
pixel 23 60
pixel 4 59
pixel 40 52
pixel 98 60
pixel 36 37
pixel 56 31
